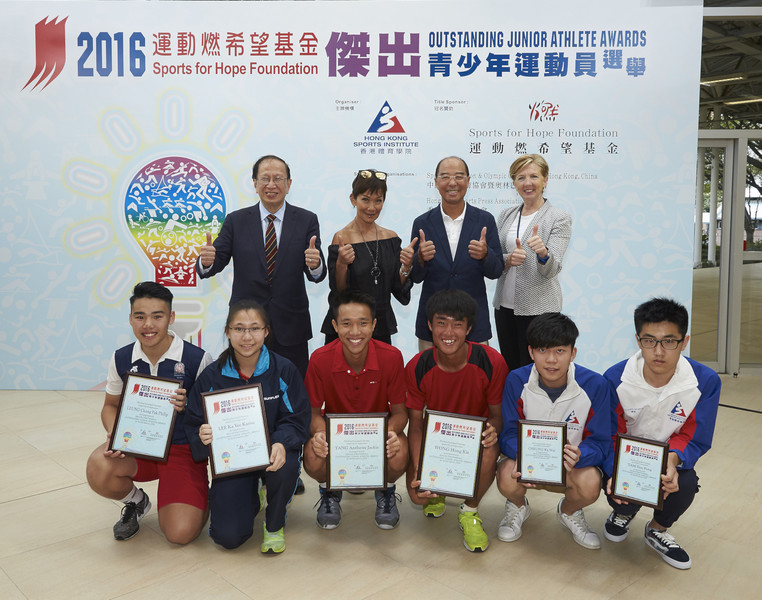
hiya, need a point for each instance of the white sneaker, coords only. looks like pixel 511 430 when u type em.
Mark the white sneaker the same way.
pixel 509 529
pixel 582 532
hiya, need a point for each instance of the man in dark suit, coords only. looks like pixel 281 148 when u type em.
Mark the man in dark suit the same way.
pixel 274 247
pixel 457 248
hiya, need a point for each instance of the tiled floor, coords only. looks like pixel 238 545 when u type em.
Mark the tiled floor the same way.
pixel 56 539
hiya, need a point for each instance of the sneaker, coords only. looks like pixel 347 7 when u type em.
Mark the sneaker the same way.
pixel 387 513
pixel 299 487
pixel 328 509
pixel 582 532
pixel 273 543
pixel 434 507
pixel 509 529
pixel 132 512
pixel 672 553
pixel 617 526
pixel 474 538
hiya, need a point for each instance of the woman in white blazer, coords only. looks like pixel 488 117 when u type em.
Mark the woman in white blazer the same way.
pixel 534 236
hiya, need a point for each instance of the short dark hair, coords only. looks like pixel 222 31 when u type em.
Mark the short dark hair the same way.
pixel 349 296
pixel 151 289
pixel 436 171
pixel 452 303
pixel 261 159
pixel 659 310
pixel 551 330
pixel 368 185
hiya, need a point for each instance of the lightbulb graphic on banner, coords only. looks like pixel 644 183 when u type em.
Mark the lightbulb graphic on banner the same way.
pixel 170 205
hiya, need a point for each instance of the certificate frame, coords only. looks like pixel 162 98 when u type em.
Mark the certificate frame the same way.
pixel 450 463
pixel 145 417
pixel 240 434
pixel 352 464
pixel 543 453
pixel 639 464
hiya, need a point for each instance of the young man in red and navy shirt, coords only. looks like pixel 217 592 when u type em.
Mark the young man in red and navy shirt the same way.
pixel 356 374
pixel 183 483
pixel 461 377
pixel 555 389
pixel 664 396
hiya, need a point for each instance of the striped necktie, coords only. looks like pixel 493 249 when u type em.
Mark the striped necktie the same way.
pixel 271 248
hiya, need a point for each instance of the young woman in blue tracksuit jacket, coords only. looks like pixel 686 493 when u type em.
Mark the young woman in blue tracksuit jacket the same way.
pixel 234 500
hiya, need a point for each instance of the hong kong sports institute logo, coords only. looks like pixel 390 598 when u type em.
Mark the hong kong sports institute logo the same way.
pixel 50 51
pixel 386 121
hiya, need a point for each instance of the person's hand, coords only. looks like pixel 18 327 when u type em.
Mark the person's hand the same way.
pixel 489 436
pixel 205 434
pixel 207 252
pixel 179 399
pixel 515 474
pixel 319 444
pixel 346 253
pixel 422 494
pixel 277 457
pixel 536 244
pixel 393 444
pixel 407 254
pixel 516 257
pixel 571 456
pixel 112 453
pixel 669 480
pixel 312 255
pixel 426 249
pixel 608 492
pixel 477 249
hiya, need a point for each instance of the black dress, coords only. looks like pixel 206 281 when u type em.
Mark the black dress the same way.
pixel 359 277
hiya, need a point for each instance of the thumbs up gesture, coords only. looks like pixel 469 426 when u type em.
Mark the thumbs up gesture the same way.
pixel 536 244
pixel 207 252
pixel 346 252
pixel 426 249
pixel 312 254
pixel 477 249
pixel 516 257
pixel 407 254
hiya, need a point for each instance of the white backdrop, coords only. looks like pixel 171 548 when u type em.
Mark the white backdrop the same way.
pixel 129 129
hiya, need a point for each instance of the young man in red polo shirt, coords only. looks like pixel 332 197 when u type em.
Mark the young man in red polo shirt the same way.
pixel 356 374
pixel 461 377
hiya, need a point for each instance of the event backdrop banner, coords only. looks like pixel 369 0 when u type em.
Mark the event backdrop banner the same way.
pixel 129 130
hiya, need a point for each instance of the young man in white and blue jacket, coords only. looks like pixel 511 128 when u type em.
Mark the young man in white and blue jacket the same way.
pixel 664 396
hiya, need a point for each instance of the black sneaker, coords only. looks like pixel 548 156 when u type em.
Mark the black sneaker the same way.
pixel 387 513
pixel 328 509
pixel 617 526
pixel 299 487
pixel 672 553
pixel 129 524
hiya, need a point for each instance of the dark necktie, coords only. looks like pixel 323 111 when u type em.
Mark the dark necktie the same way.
pixel 271 248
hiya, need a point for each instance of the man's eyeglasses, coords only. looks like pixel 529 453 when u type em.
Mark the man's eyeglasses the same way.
pixel 457 177
pixel 369 174
pixel 666 343
pixel 277 180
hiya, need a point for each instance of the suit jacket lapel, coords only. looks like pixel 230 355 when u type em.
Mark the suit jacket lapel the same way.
pixel 256 232
pixel 441 234
pixel 466 235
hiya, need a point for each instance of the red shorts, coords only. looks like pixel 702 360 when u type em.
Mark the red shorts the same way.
pixel 181 479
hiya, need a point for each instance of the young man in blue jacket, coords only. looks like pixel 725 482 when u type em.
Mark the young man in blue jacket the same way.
pixel 555 389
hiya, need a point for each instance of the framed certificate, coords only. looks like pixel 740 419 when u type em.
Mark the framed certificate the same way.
pixel 356 451
pixel 451 454
pixel 638 466
pixel 145 417
pixel 540 458
pixel 240 437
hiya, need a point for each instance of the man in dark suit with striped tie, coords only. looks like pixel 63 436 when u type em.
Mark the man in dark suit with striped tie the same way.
pixel 275 246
